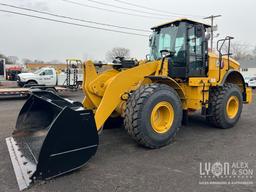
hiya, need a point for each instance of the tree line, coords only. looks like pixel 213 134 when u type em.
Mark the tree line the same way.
pixel 239 51
pixel 15 60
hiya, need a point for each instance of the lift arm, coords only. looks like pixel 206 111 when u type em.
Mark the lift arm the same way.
pixel 117 85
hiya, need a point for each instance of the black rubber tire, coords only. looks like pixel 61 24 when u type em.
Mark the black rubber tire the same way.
pixel 138 112
pixel 217 105
pixel 31 82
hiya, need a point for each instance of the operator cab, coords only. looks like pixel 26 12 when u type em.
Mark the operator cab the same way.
pixel 185 43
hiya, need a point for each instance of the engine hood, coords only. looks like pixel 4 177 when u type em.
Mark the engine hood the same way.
pixel 27 75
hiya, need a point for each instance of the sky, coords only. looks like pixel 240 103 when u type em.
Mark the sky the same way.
pixel 45 40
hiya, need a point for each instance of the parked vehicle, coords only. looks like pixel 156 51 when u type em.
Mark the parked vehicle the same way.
pixel 48 76
pixel 47 79
pixel 247 79
pixel 12 73
pixel 252 82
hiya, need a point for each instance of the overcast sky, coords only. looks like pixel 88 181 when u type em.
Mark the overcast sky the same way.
pixel 37 39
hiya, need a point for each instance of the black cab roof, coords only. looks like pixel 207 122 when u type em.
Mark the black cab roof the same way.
pixel 180 20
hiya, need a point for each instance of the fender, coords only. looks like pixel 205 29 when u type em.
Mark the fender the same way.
pixel 172 83
pixel 31 80
pixel 235 77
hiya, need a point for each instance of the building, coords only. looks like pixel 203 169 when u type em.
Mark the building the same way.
pixel 248 67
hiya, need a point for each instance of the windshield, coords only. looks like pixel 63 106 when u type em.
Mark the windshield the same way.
pixel 38 71
pixel 163 39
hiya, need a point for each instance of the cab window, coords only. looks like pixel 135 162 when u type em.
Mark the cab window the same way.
pixel 48 72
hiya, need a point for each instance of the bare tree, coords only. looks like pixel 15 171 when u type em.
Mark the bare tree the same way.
pixel 54 61
pixel 13 59
pixel 239 50
pixel 117 52
pixel 7 59
pixel 25 61
pixel 38 61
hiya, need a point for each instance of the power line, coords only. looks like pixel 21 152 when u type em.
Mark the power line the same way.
pixel 125 8
pixel 157 10
pixel 70 23
pixel 111 10
pixel 71 18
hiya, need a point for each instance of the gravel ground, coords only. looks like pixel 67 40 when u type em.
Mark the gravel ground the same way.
pixel 121 165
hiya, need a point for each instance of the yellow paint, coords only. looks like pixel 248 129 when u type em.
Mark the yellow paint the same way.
pixel 214 67
pixel 172 83
pixel 98 85
pixel 248 95
pixel 194 96
pixel 162 117
pixel 91 101
pixel 106 93
pixel 232 107
pixel 114 87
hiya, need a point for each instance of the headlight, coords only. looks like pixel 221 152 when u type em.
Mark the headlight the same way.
pixel 22 79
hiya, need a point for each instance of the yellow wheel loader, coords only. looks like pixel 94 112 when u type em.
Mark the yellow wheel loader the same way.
pixel 54 135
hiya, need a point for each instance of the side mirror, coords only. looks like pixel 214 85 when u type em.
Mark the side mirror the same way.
pixel 43 73
pixel 167 53
pixel 147 57
pixel 207 37
pixel 198 31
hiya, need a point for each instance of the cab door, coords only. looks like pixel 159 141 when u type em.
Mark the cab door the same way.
pixel 48 77
pixel 197 66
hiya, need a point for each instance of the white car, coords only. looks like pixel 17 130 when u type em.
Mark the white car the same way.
pixel 252 82
pixel 247 79
pixel 46 76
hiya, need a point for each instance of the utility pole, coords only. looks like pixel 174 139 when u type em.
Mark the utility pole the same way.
pixel 212 17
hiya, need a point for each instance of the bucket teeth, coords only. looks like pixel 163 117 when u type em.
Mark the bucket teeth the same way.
pixel 21 165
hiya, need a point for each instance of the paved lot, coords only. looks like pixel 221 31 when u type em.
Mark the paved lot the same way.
pixel 121 165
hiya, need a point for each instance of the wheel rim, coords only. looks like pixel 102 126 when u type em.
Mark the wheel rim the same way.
pixel 232 107
pixel 162 117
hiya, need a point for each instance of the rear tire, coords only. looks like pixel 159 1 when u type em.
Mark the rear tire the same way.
pixel 225 105
pixel 141 123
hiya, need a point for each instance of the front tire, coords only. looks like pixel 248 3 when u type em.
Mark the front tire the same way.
pixel 153 115
pixel 225 105
pixel 31 83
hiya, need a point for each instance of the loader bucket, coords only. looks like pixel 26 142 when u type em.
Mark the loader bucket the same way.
pixel 53 136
